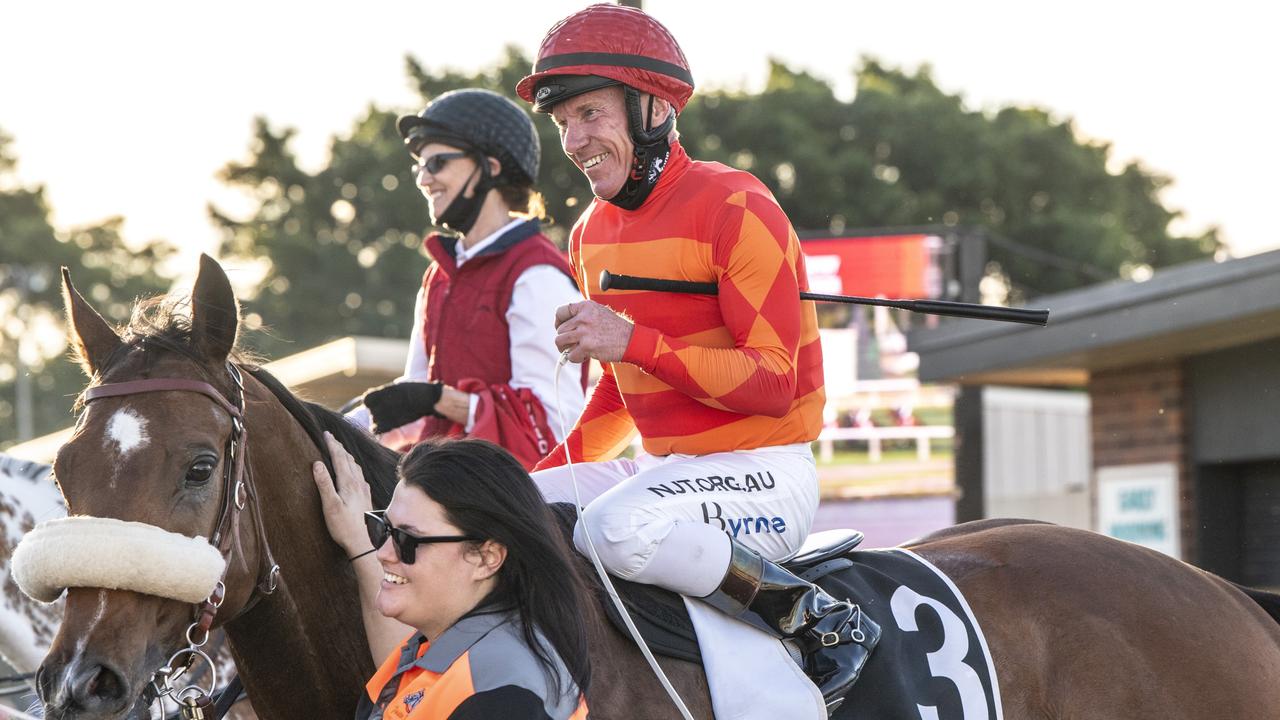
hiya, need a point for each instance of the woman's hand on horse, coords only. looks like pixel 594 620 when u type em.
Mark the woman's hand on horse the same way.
pixel 591 330
pixel 344 499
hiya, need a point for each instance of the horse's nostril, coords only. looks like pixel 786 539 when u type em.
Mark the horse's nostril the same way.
pixel 107 685
pixel 99 687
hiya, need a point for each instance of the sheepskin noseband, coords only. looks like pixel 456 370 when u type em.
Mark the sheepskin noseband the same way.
pixel 85 551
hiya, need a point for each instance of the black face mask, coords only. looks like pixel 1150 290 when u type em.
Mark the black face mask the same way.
pixel 462 213
pixel 650 156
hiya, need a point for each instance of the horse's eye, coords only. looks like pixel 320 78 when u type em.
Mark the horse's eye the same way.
pixel 200 470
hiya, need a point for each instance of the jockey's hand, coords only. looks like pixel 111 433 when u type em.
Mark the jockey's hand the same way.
pixel 344 499
pixel 590 330
pixel 396 404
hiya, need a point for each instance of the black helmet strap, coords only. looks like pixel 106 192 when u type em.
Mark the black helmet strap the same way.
pixel 649 158
pixel 464 210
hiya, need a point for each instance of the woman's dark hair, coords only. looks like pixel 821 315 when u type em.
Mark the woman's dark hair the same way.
pixel 523 200
pixel 487 493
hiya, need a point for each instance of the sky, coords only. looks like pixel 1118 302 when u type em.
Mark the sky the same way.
pixel 130 108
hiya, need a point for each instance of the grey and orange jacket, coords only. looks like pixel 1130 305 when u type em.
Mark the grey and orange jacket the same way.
pixel 479 668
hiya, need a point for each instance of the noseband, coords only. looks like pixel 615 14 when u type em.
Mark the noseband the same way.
pixel 237 492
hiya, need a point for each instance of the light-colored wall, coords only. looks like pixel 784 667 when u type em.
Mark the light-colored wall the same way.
pixel 1037 455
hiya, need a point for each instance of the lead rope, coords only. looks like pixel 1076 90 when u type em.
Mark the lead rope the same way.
pixel 595 557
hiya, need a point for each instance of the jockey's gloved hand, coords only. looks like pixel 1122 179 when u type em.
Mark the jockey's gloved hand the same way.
pixel 396 404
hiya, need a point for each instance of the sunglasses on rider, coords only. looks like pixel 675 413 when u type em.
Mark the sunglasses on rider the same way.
pixel 433 164
pixel 406 545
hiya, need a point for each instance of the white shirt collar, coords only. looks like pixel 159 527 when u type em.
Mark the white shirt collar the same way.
pixel 465 254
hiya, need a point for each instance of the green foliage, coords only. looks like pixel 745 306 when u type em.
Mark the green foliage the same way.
pixel 107 272
pixel 902 152
pixel 342 243
pixel 336 269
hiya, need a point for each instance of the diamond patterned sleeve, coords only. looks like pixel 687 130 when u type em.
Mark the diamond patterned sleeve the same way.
pixel 756 255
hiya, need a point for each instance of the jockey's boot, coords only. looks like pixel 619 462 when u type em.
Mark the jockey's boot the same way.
pixel 834 636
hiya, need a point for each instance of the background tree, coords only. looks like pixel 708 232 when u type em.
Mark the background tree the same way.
pixel 342 246
pixel 903 152
pixel 32 334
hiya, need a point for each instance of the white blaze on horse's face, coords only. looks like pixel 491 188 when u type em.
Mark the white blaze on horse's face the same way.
pixel 127 430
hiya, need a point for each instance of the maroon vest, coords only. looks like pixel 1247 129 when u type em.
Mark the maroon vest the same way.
pixel 465 314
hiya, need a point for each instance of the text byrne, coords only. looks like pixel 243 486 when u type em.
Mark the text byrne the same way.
pixel 712 513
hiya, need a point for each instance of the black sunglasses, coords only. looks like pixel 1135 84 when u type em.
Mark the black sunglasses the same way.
pixel 435 163
pixel 406 545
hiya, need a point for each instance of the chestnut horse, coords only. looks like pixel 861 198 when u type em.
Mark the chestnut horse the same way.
pixel 156 457
pixel 27 497
pixel 1079 625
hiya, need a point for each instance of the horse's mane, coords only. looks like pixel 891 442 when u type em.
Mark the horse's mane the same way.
pixel 377 461
pixel 164 323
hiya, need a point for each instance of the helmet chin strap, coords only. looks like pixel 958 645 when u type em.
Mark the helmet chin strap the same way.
pixel 462 213
pixel 650 155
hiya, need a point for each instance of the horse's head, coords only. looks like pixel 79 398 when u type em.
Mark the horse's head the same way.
pixel 148 478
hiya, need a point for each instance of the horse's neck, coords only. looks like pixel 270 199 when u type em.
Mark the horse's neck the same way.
pixel 294 662
pixel 301 651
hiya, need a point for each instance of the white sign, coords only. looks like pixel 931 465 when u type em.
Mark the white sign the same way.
pixel 1139 503
pixel 839 364
pixel 823 272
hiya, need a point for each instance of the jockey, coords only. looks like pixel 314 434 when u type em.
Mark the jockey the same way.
pixel 482 359
pixel 726 393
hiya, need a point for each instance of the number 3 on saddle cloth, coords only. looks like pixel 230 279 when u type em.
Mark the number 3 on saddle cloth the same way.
pixel 932 661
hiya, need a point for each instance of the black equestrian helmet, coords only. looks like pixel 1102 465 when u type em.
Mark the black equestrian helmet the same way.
pixel 480 120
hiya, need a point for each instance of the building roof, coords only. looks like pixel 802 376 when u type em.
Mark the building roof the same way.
pixel 1184 310
pixel 329 374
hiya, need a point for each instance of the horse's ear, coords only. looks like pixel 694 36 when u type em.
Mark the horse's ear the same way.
pixel 91 337
pixel 215 316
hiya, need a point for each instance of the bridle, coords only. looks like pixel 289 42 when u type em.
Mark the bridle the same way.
pixel 237 492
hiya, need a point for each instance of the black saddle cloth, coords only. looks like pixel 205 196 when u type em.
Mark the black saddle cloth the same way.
pixel 932 653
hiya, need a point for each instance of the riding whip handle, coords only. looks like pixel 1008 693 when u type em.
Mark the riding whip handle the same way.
pixel 614 281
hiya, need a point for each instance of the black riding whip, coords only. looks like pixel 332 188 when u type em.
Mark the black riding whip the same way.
pixel 613 281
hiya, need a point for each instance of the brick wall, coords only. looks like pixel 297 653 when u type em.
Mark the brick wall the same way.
pixel 1140 415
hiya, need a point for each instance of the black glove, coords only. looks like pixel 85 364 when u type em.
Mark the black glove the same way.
pixel 396 404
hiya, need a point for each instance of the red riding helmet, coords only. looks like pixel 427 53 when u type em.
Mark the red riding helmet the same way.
pixel 612 45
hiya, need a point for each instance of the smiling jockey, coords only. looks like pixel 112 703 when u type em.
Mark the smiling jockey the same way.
pixel 726 392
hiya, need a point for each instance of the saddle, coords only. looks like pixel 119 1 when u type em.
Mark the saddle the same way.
pixel 661 615
pixel 918 608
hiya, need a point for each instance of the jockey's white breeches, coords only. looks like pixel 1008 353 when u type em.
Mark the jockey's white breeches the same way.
pixel 667 520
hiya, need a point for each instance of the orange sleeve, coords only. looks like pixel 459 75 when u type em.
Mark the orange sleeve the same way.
pixel 755 253
pixel 603 430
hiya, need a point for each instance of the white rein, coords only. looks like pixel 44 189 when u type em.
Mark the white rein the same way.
pixel 595 558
